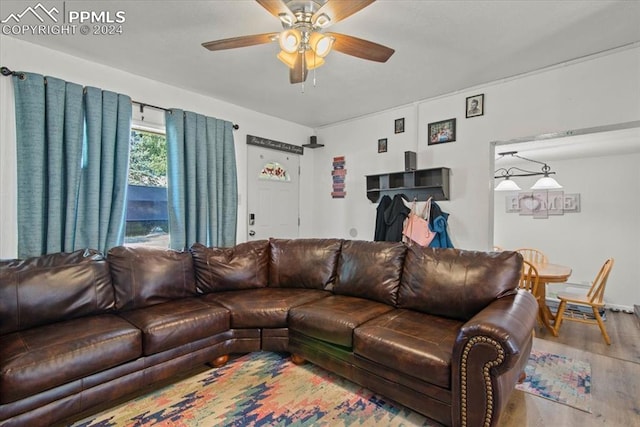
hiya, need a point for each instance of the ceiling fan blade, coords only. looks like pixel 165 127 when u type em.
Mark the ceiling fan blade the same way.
pixel 298 73
pixel 361 48
pixel 275 7
pixel 242 41
pixel 338 10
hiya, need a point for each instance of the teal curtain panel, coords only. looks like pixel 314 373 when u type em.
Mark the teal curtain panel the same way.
pixel 72 152
pixel 202 180
pixel 103 183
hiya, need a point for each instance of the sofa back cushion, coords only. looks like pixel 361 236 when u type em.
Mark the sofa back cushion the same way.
pixel 303 263
pixel 144 276
pixel 456 283
pixel 51 288
pixel 370 270
pixel 244 266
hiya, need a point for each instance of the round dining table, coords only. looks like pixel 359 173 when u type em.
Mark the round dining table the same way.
pixel 549 273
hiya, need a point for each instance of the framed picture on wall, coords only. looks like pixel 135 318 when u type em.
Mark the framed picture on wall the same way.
pixel 399 125
pixel 382 145
pixel 475 106
pixel 443 131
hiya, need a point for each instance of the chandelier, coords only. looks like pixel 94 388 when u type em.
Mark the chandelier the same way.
pixel 544 183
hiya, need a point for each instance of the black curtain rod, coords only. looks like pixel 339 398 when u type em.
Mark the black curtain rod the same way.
pixel 7 72
pixel 144 104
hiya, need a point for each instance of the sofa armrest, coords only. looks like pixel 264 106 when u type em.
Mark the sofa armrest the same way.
pixel 490 354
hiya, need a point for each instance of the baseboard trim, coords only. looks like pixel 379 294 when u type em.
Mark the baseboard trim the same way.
pixel 618 307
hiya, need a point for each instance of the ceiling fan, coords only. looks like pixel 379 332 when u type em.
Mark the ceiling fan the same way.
pixel 303 43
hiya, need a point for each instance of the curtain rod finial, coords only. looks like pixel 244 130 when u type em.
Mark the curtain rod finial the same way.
pixel 236 126
pixel 7 72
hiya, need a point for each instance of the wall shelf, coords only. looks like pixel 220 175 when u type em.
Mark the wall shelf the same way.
pixel 419 184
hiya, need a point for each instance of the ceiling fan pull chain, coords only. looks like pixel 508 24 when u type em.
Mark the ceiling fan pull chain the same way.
pixel 314 69
pixel 303 66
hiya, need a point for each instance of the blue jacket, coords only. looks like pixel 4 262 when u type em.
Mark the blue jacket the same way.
pixel 442 239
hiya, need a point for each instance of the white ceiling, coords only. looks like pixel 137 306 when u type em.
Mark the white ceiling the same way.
pixel 441 47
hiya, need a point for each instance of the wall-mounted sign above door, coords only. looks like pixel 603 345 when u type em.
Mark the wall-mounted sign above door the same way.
pixel 275 145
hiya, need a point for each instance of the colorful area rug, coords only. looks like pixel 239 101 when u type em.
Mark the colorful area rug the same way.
pixel 259 389
pixel 558 378
pixel 267 389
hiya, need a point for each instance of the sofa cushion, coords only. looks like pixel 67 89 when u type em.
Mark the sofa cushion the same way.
pixel 175 323
pixel 456 283
pixel 45 357
pixel 370 270
pixel 243 266
pixel 303 263
pixel 52 288
pixel 334 318
pixel 263 308
pixel 144 276
pixel 416 344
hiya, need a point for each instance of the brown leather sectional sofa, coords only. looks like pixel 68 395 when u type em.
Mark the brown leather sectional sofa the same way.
pixel 444 332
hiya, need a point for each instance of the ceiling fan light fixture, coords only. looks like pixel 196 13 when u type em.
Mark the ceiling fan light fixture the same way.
pixel 312 60
pixel 322 21
pixel 290 40
pixel 286 19
pixel 301 40
pixel 289 59
pixel 321 44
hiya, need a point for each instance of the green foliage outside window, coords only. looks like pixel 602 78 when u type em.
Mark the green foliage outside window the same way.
pixel 148 159
pixel 147 168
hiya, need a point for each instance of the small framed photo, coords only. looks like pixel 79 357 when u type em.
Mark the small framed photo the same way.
pixel 475 105
pixel 399 125
pixel 382 145
pixel 443 131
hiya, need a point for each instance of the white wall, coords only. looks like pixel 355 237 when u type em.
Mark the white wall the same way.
pixel 598 91
pixel 22 56
pixel 357 141
pixel 608 224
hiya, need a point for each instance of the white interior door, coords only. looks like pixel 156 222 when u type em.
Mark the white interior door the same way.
pixel 273 194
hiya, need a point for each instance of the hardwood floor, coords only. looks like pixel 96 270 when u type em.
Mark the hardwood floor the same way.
pixel 615 377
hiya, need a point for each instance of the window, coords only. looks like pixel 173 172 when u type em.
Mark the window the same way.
pixel 147 213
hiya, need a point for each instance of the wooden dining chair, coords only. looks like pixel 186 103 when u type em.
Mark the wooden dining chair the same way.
pixel 529 281
pixel 529 278
pixel 534 256
pixel 593 299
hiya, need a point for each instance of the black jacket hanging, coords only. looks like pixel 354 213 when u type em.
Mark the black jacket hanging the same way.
pixel 381 226
pixel 394 217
